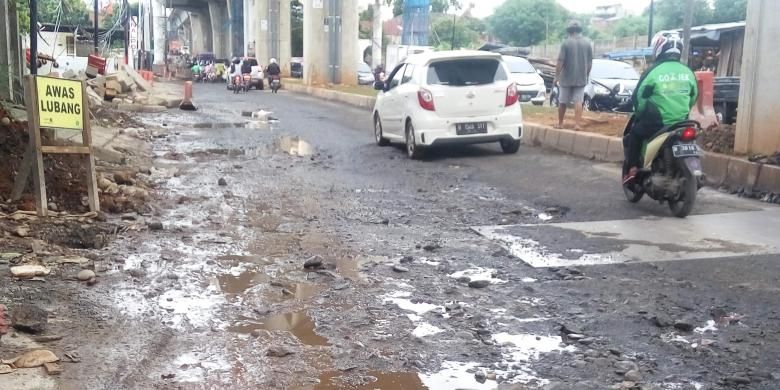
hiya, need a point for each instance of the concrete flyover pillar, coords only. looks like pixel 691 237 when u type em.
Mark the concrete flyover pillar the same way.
pixel 160 27
pixel 285 40
pixel 330 37
pixel 201 33
pixel 262 33
pixel 350 20
pixel 219 27
pixel 315 43
pixel 757 130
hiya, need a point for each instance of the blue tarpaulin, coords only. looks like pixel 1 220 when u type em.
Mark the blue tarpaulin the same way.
pixel 629 54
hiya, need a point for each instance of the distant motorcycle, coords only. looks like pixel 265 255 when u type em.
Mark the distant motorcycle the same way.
pixel 276 83
pixel 237 84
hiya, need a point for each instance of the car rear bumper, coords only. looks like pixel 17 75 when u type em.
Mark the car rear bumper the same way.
pixel 440 131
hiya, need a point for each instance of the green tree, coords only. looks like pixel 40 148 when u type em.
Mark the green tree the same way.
pixel 437 6
pixel 526 22
pixel 726 11
pixel 296 28
pixel 74 12
pixel 366 16
pixel 467 32
pixel 669 14
pixel 23 16
pixel 630 26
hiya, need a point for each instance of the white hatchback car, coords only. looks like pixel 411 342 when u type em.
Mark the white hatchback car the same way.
pixel 449 97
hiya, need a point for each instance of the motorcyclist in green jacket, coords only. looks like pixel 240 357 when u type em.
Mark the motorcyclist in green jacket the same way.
pixel 664 96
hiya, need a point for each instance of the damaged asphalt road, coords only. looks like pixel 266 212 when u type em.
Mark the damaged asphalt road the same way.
pixel 296 254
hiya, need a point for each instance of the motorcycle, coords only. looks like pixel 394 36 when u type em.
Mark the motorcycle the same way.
pixel 276 83
pixel 237 84
pixel 247 81
pixel 670 166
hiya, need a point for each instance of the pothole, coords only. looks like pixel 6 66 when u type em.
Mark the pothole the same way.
pixel 295 146
pixel 240 282
pixel 299 324
pixel 374 380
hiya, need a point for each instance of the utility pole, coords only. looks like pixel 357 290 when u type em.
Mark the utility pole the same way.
pixel 95 24
pixel 687 24
pixel 126 25
pixel 376 46
pixel 454 20
pixel 33 38
pixel 650 27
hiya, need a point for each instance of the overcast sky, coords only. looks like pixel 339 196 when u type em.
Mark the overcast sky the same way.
pixel 485 8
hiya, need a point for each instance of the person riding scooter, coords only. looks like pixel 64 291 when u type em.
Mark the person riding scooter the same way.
pixel 274 73
pixel 234 77
pixel 664 96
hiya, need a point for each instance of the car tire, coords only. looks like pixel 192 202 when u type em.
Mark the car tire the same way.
pixel 412 149
pixel 378 134
pixel 510 146
pixel 587 103
pixel 261 87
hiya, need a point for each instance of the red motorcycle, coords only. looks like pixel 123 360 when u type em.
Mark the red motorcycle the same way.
pixel 237 84
pixel 247 82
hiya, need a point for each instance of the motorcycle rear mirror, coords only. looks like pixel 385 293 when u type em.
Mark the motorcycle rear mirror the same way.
pixel 617 88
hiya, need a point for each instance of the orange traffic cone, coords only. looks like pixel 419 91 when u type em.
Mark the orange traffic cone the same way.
pixel 186 103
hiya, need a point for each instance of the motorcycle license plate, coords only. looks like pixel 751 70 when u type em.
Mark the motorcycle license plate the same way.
pixel 686 150
pixel 471 128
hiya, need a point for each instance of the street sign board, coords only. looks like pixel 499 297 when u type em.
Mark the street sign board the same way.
pixel 60 103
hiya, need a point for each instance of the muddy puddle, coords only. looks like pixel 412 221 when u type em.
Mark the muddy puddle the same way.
pixel 374 380
pixel 295 146
pixel 299 324
pixel 237 284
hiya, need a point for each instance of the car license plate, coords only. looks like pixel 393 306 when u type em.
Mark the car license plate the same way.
pixel 686 150
pixel 471 128
pixel 526 98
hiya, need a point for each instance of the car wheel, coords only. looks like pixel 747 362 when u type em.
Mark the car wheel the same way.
pixel 412 150
pixel 510 146
pixel 262 86
pixel 587 103
pixel 380 139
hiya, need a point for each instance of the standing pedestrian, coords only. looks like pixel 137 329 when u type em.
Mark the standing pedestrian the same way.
pixel 571 73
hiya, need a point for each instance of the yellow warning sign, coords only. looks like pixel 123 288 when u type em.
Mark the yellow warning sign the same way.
pixel 60 104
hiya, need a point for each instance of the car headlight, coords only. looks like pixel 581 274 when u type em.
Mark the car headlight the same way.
pixel 600 90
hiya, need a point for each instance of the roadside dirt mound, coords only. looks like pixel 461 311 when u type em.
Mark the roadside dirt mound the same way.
pixel 718 139
pixel 65 178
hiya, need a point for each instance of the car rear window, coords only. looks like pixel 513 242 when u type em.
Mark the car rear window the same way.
pixel 251 61
pixel 465 72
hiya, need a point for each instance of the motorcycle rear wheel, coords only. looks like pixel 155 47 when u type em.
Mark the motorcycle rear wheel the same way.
pixel 634 193
pixel 683 205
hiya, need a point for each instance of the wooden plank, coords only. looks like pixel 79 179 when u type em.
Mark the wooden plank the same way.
pixel 24 174
pixel 66 150
pixel 39 180
pixel 86 134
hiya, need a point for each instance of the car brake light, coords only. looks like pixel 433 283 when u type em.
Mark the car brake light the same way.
pixel 511 94
pixel 689 134
pixel 425 97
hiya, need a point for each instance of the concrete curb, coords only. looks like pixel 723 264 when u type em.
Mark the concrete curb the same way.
pixel 720 169
pixel 360 101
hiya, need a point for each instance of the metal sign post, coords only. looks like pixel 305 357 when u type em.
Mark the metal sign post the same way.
pixel 33 37
pixel 56 104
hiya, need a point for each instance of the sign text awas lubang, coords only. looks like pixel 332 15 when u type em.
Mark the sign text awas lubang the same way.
pixel 60 103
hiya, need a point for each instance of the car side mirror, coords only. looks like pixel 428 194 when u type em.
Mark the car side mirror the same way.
pixel 617 88
pixel 379 86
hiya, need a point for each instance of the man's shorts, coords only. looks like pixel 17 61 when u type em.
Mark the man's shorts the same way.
pixel 571 95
